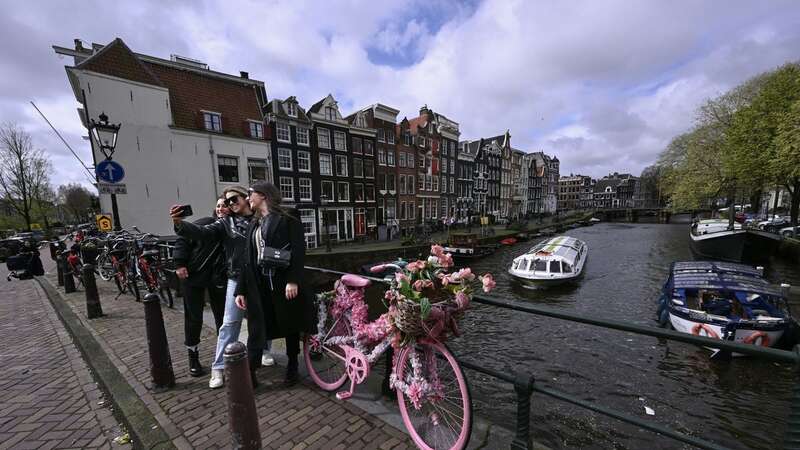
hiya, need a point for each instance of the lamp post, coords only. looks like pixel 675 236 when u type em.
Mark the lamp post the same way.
pixel 105 134
pixel 323 200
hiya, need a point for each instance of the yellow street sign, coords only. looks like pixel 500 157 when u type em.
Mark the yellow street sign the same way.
pixel 104 222
pixel 36 226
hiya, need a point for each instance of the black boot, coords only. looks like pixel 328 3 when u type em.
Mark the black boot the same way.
pixel 292 375
pixel 254 379
pixel 195 369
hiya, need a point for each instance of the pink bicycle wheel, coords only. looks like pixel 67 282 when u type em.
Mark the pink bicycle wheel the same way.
pixel 443 419
pixel 326 362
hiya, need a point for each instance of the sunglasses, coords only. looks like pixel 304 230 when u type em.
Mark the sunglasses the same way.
pixel 232 199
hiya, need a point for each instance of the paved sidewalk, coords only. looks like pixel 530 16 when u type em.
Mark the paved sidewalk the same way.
pixel 48 398
pixel 193 416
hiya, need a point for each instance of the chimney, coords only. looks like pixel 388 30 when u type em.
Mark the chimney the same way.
pixel 78 45
pixel 423 110
pixel 244 74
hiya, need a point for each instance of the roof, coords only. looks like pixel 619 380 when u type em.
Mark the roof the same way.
pixel 720 275
pixel 564 246
pixel 191 90
pixel 602 184
pixel 278 108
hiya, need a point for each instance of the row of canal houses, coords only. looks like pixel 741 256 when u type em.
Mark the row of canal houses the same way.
pixel 369 174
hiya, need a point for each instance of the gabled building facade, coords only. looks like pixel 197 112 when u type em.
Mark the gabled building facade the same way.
pixel 406 178
pixel 574 192
pixel 370 187
pixel 465 181
pixel 187 132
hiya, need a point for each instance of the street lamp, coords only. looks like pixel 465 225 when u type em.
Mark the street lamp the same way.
pixel 323 200
pixel 105 134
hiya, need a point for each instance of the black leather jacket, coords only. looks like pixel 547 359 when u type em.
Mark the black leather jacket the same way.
pixel 205 260
pixel 231 231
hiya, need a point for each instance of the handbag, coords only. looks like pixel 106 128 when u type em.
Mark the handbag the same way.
pixel 273 258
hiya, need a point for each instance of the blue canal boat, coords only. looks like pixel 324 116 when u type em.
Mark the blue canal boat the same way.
pixel 725 300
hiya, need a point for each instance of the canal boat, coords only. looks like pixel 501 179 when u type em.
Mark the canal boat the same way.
pixel 714 239
pixel 551 262
pixel 724 300
pixel 466 246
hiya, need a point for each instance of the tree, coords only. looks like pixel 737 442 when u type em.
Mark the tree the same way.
pixel 77 200
pixel 23 171
pixel 788 154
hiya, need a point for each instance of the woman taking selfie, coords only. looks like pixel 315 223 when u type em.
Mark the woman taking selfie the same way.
pixel 270 287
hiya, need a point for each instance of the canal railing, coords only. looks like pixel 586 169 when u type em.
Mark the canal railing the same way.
pixel 525 384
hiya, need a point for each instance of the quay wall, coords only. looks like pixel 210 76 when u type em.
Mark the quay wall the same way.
pixel 790 249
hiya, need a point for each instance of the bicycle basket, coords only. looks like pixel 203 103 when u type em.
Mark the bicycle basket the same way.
pixel 408 318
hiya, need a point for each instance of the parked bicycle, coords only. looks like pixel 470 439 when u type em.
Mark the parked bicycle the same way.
pixel 425 303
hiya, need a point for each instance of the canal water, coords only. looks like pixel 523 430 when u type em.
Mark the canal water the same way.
pixel 741 403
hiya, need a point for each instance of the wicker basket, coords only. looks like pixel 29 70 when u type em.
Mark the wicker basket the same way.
pixel 408 318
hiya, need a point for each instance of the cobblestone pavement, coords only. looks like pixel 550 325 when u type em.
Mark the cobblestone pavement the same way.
pixel 193 416
pixel 48 398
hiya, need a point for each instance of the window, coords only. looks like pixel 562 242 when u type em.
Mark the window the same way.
pixel 369 169
pixel 358 167
pixel 371 217
pixel 422 141
pixel 327 190
pixel 381 135
pixel 411 210
pixel 356 143
pixel 323 138
pixel 302 136
pixel 284 159
pixel 340 141
pixel 370 192
pixel 402 210
pixel 282 132
pixel 325 164
pixel 390 157
pixel 305 189
pixel 402 184
pixel 555 266
pixel 444 184
pixel 341 166
pixel 381 181
pixel 410 160
pixel 257 170
pixel 421 183
pixel 359 192
pixel 228 168
pixel 381 157
pixel 390 186
pixel 291 109
pixel 304 161
pixel 368 146
pixel 213 121
pixel 407 138
pixel 330 113
pixel 422 162
pixel 390 208
pixel 452 185
pixel 287 188
pixel 435 183
pixel 401 159
pixel 452 166
pixel 309 227
pixel 256 130
pixel 410 182
pixel 343 192
pixel 390 136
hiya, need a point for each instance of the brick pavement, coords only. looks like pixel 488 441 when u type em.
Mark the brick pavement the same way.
pixel 48 398
pixel 193 416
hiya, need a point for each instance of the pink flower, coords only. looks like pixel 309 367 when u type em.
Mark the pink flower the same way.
pixel 415 266
pixel 437 250
pixel 465 274
pixel 446 260
pixel 488 282
pixel 414 394
pixel 400 277
pixel 462 299
pixel 419 285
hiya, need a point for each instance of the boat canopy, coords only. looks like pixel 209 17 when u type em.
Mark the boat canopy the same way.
pixel 563 246
pixel 721 276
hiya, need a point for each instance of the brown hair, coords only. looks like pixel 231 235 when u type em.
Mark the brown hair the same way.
pixel 272 195
pixel 221 197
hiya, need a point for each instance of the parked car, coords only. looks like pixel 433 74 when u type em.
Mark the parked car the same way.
pixel 792 232
pixel 774 224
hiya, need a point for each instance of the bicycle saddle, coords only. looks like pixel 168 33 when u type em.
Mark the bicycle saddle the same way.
pixel 351 280
pixel 147 253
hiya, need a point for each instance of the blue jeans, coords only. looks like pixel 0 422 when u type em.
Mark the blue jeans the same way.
pixel 231 327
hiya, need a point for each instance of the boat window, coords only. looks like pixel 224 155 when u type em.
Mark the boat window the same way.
pixel 540 265
pixel 526 264
pixel 566 267
pixel 555 266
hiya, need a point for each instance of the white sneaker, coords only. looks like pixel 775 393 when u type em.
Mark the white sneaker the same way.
pixel 267 360
pixel 217 379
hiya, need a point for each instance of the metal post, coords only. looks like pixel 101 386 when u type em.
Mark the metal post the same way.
pixel 327 233
pixel 115 212
pixel 69 278
pixel 524 388
pixel 60 269
pixel 93 307
pixel 242 413
pixel 160 361
pixel 792 438
pixel 385 388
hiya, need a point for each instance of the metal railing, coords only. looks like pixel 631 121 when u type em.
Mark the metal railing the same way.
pixel 525 384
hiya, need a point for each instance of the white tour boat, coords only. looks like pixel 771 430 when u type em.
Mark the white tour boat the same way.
pixel 550 262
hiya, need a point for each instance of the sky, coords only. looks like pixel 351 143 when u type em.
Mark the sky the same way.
pixel 604 85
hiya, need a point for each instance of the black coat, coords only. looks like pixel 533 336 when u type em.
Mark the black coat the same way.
pixel 204 259
pixel 230 231
pixel 269 314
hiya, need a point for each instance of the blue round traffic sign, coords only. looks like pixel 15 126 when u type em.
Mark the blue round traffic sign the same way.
pixel 109 171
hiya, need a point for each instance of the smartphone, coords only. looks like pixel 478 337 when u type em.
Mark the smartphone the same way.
pixel 186 211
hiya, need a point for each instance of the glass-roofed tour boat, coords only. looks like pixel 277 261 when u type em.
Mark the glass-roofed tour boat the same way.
pixel 553 261
pixel 725 300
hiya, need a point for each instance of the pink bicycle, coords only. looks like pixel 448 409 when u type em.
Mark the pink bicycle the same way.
pixel 432 391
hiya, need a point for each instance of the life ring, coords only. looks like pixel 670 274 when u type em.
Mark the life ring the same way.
pixel 709 331
pixel 754 337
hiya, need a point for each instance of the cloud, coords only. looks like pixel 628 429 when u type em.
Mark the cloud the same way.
pixel 603 85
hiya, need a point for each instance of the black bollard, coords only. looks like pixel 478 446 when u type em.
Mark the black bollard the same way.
pixel 60 269
pixel 93 307
pixel 242 414
pixel 69 278
pixel 160 361
pixel 386 389
pixel 524 388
